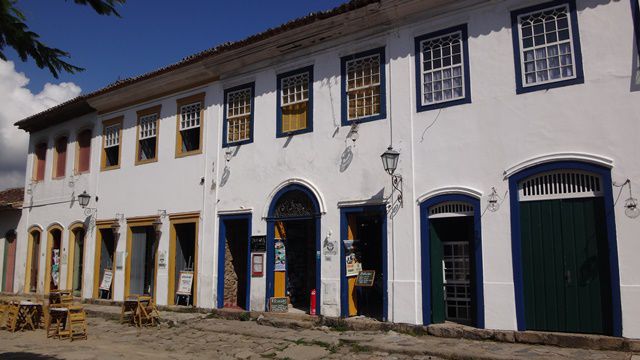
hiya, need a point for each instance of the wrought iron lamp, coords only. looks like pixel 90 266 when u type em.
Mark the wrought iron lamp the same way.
pixel 83 199
pixel 493 205
pixel 390 163
pixel 157 223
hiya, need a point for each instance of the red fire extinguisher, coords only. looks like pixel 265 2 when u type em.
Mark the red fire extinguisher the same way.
pixel 312 310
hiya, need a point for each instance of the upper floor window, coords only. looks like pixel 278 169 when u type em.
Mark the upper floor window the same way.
pixel 238 115
pixel 83 151
pixel 547 46
pixel 363 87
pixel 112 135
pixel 442 65
pixel 295 110
pixel 60 157
pixel 147 133
pixel 190 115
pixel 40 161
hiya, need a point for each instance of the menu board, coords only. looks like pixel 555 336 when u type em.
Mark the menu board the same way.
pixel 279 304
pixel 366 278
pixel 107 278
pixel 185 283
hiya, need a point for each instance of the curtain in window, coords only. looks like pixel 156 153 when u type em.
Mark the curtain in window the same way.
pixel 294 117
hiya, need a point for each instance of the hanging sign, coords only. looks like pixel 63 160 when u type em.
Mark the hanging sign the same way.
pixel 107 278
pixel 280 256
pixel 366 278
pixel 257 265
pixel 55 267
pixel 185 283
pixel 279 304
pixel 259 243
pixel 352 258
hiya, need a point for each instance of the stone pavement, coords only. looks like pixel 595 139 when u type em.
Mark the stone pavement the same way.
pixel 197 335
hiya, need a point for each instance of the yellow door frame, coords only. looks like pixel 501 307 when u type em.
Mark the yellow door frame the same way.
pixel 27 282
pixel 72 254
pixel 47 270
pixel 177 219
pixel 136 222
pixel 102 225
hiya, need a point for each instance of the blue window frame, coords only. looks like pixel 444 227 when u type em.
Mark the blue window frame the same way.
pixel 363 89
pixel 238 115
pixel 635 12
pixel 295 102
pixel 442 69
pixel 546 43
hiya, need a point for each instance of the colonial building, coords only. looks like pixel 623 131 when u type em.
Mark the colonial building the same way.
pixel 253 170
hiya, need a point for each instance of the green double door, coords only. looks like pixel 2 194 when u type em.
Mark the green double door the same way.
pixel 565 265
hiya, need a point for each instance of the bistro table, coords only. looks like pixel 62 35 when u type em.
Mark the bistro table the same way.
pixel 29 315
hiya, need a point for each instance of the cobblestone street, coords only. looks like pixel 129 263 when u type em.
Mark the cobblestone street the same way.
pixel 196 336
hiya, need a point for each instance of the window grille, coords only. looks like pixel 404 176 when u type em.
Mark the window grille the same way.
pixel 451 209
pixel 546 46
pixel 239 115
pixel 457 282
pixel 294 99
pixel 363 87
pixel 112 136
pixel 190 116
pixel 295 89
pixel 148 126
pixel 562 184
pixel 442 69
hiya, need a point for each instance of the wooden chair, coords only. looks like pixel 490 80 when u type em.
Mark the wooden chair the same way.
pixel 129 309
pixel 56 321
pixel 147 313
pixel 76 326
pixel 13 310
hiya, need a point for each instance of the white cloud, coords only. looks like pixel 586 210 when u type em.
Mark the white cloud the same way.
pixel 16 103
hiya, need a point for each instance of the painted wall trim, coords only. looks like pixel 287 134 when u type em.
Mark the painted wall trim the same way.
pixel 462 190
pixel 294 181
pixel 368 202
pixel 234 212
pixel 568 156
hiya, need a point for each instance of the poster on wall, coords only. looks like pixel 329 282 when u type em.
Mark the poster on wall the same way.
pixel 352 257
pixel 185 283
pixel 106 280
pixel 280 256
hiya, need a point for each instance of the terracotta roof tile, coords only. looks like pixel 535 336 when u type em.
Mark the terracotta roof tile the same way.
pixel 11 198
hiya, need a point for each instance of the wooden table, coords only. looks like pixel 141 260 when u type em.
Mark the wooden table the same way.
pixel 29 315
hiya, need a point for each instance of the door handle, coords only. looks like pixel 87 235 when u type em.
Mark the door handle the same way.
pixel 567 276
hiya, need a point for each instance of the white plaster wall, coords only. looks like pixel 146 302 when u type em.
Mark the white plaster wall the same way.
pixel 467 145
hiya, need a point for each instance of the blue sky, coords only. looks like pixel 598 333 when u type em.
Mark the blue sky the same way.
pixel 150 34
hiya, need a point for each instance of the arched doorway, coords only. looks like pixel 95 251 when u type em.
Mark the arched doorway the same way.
pixel 451 251
pixel 52 270
pixel 293 247
pixel 33 260
pixel 564 249
pixel 9 261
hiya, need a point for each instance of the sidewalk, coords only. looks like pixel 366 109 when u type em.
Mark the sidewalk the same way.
pixel 315 342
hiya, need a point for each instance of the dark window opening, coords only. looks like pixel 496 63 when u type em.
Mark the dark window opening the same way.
pixel 185 258
pixel 190 139
pixel 147 149
pixel 112 156
pixel 78 262
pixel 107 252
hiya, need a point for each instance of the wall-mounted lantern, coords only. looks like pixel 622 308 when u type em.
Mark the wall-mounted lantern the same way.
pixel 83 199
pixel 390 163
pixel 157 223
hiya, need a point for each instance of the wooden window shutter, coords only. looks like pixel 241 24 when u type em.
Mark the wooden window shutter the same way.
pixel 41 155
pixel 61 157
pixel 84 151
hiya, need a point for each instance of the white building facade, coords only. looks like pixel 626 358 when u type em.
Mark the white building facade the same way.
pixel 256 167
